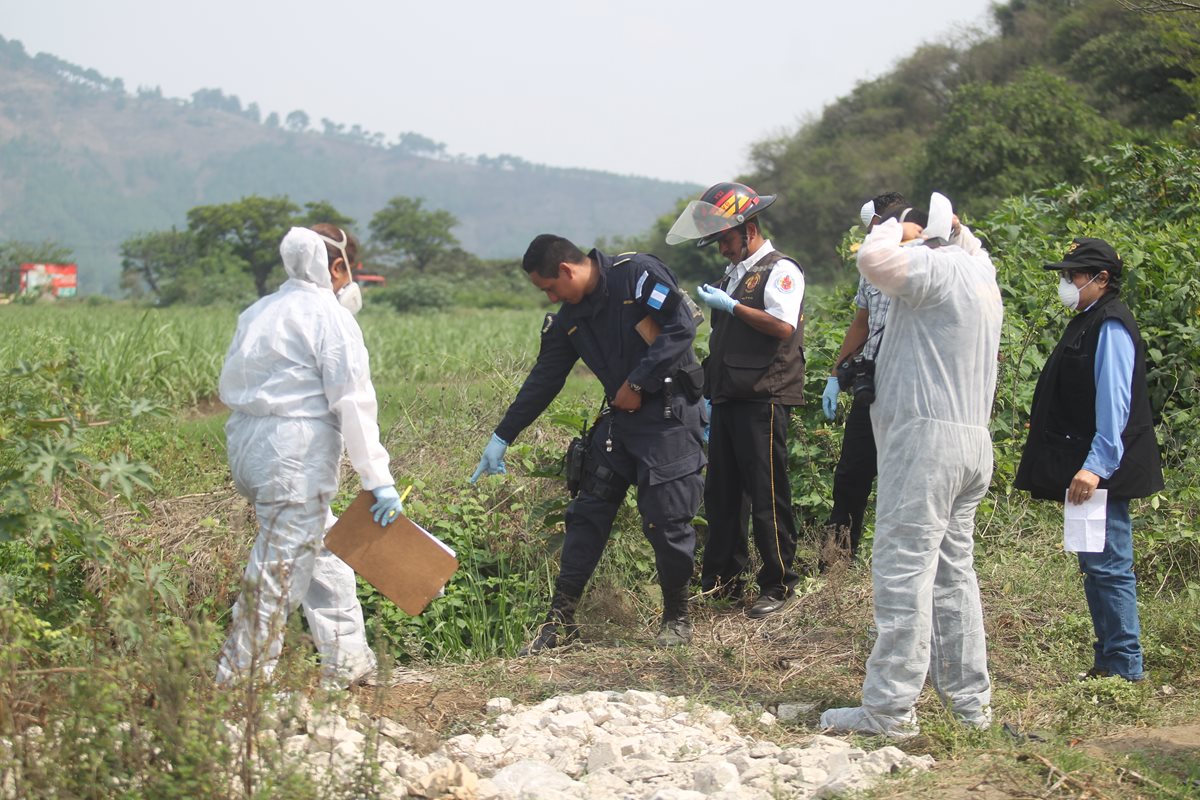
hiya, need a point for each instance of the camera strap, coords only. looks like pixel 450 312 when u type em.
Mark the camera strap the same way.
pixel 858 350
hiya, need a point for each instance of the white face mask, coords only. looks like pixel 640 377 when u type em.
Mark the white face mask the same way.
pixel 1068 292
pixel 350 297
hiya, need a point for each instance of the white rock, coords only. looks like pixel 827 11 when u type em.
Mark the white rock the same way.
pixel 576 725
pixel 602 755
pixel 672 793
pixel 498 705
pixel 635 697
pixel 297 745
pixel 717 720
pixel 719 777
pixel 765 750
pixel 524 778
pixel 790 712
pixel 393 730
pixel 750 793
pixel 812 776
pixel 822 742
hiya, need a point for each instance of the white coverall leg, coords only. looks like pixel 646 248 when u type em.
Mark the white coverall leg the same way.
pixel 288 468
pixel 923 538
pixel 335 618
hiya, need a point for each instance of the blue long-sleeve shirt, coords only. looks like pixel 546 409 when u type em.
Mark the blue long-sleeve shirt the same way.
pixel 1114 385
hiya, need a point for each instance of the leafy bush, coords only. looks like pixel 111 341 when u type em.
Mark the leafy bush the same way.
pixel 416 294
pixel 1145 201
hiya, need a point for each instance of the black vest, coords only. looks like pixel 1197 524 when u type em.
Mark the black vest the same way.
pixel 744 364
pixel 1063 418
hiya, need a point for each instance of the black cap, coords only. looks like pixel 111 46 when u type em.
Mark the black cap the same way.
pixel 1090 255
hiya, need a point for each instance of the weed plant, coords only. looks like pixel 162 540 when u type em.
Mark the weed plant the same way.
pixel 121 540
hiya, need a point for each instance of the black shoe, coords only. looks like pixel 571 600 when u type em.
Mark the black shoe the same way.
pixel 1095 673
pixel 769 603
pixel 674 632
pixel 550 634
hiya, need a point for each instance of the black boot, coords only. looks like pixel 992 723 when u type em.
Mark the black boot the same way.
pixel 558 629
pixel 676 628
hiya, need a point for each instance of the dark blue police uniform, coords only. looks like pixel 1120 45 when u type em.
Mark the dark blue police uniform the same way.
pixel 656 448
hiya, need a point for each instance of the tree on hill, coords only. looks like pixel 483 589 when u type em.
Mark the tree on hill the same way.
pixel 297 121
pixel 252 228
pixel 410 234
pixel 318 211
pixel 1001 141
pixel 151 261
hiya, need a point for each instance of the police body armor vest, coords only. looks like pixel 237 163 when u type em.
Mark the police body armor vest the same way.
pixel 1063 420
pixel 744 364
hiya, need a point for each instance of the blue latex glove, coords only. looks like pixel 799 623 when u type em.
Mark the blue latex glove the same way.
pixel 387 505
pixel 829 397
pixel 707 425
pixel 492 462
pixel 715 298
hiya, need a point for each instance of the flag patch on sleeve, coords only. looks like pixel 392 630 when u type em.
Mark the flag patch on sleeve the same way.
pixel 658 296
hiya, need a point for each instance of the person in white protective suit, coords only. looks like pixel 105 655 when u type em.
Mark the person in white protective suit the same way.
pixel 935 382
pixel 298 383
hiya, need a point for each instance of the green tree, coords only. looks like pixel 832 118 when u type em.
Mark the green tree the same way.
pixel 251 227
pixel 318 211
pixel 151 261
pixel 1000 141
pixel 407 233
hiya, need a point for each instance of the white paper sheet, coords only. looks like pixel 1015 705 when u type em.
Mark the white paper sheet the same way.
pixel 1083 524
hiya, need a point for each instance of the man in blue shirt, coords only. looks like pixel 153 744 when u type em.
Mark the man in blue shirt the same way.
pixel 1091 427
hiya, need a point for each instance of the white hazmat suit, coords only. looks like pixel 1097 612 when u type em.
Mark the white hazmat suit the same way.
pixel 298 383
pixel 935 381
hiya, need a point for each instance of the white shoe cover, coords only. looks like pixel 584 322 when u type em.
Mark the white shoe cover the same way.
pixel 980 719
pixel 860 720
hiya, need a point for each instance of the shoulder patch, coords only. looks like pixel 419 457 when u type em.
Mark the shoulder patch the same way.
pixel 547 324
pixel 785 283
pixel 658 296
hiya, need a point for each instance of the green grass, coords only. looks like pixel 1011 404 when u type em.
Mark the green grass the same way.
pixel 443 382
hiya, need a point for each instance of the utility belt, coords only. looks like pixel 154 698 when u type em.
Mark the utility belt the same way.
pixel 584 473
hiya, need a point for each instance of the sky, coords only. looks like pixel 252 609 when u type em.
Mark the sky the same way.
pixel 677 90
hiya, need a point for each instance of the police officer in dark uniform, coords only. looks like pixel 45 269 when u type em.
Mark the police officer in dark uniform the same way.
pixel 755 374
pixel 633 327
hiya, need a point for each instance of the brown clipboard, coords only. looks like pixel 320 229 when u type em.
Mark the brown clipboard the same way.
pixel 405 562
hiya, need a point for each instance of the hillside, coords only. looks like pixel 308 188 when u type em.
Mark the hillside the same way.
pixel 85 163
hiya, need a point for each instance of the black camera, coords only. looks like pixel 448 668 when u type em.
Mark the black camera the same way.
pixel 857 376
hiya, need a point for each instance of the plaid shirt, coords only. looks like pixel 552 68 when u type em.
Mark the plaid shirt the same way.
pixel 876 303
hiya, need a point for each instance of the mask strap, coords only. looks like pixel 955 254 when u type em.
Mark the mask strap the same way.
pixel 341 246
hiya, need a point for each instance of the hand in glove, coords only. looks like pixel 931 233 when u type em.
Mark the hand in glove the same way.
pixel 492 462
pixel 387 505
pixel 829 397
pixel 715 298
pixel 708 425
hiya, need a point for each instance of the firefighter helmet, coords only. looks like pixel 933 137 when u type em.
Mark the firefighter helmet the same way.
pixel 721 207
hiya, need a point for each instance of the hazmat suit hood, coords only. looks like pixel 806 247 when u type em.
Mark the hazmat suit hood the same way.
pixel 305 258
pixel 941 217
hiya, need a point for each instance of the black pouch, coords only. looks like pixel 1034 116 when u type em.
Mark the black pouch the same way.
pixel 690 380
pixel 574 461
